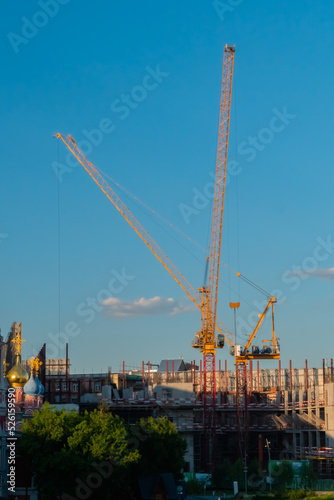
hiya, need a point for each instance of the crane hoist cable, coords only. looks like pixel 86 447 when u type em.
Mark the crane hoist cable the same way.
pixel 172 226
pixel 150 213
pixel 254 285
pixel 129 194
pixel 149 209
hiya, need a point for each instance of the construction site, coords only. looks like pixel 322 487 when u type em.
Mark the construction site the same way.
pixel 167 250
pixel 213 334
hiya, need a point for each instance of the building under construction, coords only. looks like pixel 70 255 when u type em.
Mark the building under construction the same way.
pixel 291 408
pixel 259 413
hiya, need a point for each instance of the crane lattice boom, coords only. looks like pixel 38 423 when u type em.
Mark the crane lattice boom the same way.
pixel 142 233
pixel 219 197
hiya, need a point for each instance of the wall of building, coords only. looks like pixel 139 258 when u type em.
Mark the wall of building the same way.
pixel 329 414
pixel 182 390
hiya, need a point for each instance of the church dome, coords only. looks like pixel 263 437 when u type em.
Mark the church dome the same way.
pixel 40 386
pixel 17 375
pixel 31 387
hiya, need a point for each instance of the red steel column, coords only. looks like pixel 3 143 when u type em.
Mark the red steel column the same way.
pixel 279 375
pixel 226 381
pixel 290 375
pixel 68 391
pixel 245 385
pixel 237 387
pixel 258 375
pixel 306 377
pixel 250 376
pixel 167 371
pixel 220 375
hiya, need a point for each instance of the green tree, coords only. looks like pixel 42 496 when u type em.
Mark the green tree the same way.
pixel 43 444
pixel 68 451
pixel 237 472
pixel 102 436
pixel 255 475
pixel 221 477
pixel 160 445
pixel 96 455
pixel 106 442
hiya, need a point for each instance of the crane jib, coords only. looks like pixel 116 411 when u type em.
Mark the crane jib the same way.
pixel 143 234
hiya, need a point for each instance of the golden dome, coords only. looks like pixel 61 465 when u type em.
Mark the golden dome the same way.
pixel 17 375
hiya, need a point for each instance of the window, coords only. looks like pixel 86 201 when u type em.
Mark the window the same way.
pixel 166 394
pixel 74 386
pixel 97 386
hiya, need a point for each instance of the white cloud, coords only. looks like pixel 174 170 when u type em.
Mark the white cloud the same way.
pixel 117 308
pixel 319 273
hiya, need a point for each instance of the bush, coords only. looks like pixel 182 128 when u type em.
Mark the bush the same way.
pixel 282 473
pixel 308 476
pixel 299 494
pixel 194 487
pixel 281 494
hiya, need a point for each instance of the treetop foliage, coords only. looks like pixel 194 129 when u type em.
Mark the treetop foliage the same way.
pixel 96 454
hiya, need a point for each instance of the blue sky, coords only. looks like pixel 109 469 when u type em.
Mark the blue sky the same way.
pixel 68 68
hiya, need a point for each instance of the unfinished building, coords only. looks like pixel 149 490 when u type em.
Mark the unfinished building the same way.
pixel 292 408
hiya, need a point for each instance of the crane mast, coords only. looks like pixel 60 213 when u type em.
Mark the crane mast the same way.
pixel 220 184
pixel 209 367
pixel 205 340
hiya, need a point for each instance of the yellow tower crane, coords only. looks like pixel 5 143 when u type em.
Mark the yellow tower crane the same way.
pixel 206 297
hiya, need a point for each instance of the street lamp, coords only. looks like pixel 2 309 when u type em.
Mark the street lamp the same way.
pixel 267 445
pixel 245 471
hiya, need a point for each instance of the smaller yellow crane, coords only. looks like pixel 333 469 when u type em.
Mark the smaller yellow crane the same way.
pixel 270 349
